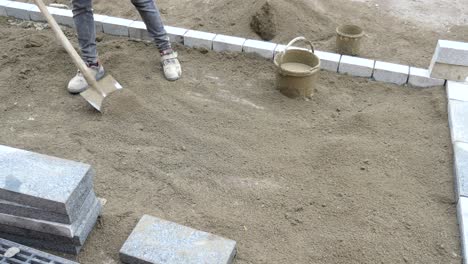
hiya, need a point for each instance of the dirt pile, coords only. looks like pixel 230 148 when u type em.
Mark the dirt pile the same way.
pixel 264 22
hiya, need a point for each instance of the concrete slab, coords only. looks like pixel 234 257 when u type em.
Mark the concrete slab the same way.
pixel 452 52
pixel 42 181
pixel 457 91
pixel 13 208
pixel 158 241
pixel 228 43
pixel 137 30
pixel 391 73
pixel 462 213
pixel 29 255
pixel 116 26
pixel 356 66
pixel 57 247
pixel 199 39
pixel 261 48
pixel 448 72
pixel 51 227
pixel 18 10
pixel 421 78
pixel 176 34
pixel 458 120
pixel 81 234
pixel 461 168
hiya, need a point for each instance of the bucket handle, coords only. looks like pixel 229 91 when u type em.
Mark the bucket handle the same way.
pixel 292 42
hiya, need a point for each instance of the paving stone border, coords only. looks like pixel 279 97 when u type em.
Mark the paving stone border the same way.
pixel 354 66
pixel 457 92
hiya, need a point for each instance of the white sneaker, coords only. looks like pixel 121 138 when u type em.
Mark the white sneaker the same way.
pixel 78 83
pixel 171 66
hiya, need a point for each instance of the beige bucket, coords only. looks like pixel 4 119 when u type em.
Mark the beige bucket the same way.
pixel 348 39
pixel 297 70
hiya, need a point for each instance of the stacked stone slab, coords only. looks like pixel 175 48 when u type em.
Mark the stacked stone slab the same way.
pixel 46 202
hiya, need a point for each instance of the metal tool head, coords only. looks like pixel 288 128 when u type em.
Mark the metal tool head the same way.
pixel 96 95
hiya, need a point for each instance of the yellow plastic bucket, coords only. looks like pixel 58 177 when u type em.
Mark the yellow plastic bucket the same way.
pixel 297 70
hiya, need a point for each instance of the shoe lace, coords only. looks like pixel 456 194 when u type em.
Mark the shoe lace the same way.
pixel 169 62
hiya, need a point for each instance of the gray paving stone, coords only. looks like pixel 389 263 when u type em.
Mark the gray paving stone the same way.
pixel 462 215
pixel 452 52
pixel 29 255
pixel 199 39
pixel 12 208
pixel 261 48
pixel 98 22
pixel 391 73
pixel 3 4
pixel 46 182
pixel 228 43
pixel 157 241
pixel 47 226
pixel 176 34
pixel 457 91
pixel 18 10
pixel 137 30
pixel 421 78
pixel 40 244
pixel 458 120
pixel 461 168
pixel 81 234
pixel 356 66
pixel 116 26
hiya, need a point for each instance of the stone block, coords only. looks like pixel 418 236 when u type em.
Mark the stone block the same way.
pixel 34 256
pixel 137 30
pixel 228 43
pixel 3 4
pixel 448 72
pixel 460 152
pixel 42 181
pixel 176 34
pixel 199 39
pixel 16 209
pixel 18 10
pixel 451 52
pixel 462 215
pixel 85 226
pixel 98 22
pixel 458 120
pixel 421 78
pixel 391 73
pixel 356 66
pixel 457 91
pixel 261 48
pixel 158 241
pixel 328 61
pixel 116 26
pixel 45 245
pixel 51 227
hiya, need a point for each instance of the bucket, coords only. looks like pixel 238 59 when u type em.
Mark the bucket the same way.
pixel 348 39
pixel 297 70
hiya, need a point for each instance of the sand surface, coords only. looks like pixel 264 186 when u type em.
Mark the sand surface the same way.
pixel 359 174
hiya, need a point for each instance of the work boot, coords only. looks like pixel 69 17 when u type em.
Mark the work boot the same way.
pixel 171 65
pixel 78 83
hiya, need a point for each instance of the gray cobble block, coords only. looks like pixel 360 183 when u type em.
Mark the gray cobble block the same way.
pixel 199 39
pixel 176 34
pixel 81 234
pixel 421 78
pixel 328 61
pixel 47 226
pixel 458 120
pixel 452 52
pixel 156 241
pixel 462 215
pixel 3 4
pixel 63 17
pixel 42 181
pixel 228 43
pixel 29 255
pixel 356 66
pixel 12 208
pixel 261 48
pixel 457 91
pixel 137 30
pixel 18 10
pixel 98 22
pixel 460 152
pixel 116 26
pixel 391 73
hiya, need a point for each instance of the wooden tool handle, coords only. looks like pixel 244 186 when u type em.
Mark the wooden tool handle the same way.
pixel 67 45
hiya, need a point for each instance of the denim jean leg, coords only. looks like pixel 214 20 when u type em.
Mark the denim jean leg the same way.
pixel 85 28
pixel 149 12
